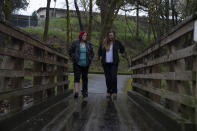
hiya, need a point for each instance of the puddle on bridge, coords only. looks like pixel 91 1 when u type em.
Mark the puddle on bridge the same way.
pixel 96 113
pixel 81 118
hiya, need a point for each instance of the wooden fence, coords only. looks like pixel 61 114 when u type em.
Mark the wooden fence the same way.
pixel 166 72
pixel 29 70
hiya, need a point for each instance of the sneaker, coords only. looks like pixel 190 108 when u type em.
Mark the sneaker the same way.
pixel 76 95
pixel 85 95
pixel 114 96
pixel 108 96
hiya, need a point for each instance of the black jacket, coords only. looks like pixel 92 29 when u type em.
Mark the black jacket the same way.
pixel 117 46
pixel 74 52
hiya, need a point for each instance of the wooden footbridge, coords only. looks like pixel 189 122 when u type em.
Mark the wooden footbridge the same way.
pixel 164 78
pixel 34 93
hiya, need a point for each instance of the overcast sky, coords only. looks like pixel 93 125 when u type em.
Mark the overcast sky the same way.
pixel 36 4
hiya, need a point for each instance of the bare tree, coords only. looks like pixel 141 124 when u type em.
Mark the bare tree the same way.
pixel 167 24
pixel 2 14
pixel 137 19
pixel 90 21
pixel 85 6
pixel 46 26
pixel 7 9
pixel 110 15
pixel 68 26
pixel 78 14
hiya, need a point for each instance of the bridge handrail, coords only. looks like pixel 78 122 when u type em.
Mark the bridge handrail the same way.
pixel 166 72
pixel 17 33
pixel 181 29
pixel 23 56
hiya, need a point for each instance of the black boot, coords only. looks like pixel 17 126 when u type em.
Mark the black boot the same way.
pixel 76 95
pixel 85 94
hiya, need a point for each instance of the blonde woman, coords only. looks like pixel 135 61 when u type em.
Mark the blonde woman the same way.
pixel 109 53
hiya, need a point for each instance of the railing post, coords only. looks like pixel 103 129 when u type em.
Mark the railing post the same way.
pixel 11 63
pixel 52 78
pixel 156 83
pixel 171 85
pixel 195 31
pixel 65 77
pixel 195 70
pixel 60 89
pixel 49 79
pixel 37 67
pixel 195 87
pixel 183 87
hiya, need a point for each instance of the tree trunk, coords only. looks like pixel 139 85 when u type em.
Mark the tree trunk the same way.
pixel 173 12
pixel 46 26
pixel 187 6
pixel 137 20
pixel 103 4
pixel 85 13
pixel 149 27
pixel 149 33
pixel 68 26
pixel 7 9
pixel 109 18
pixel 127 23
pixel 90 21
pixel 2 13
pixel 167 16
pixel 78 15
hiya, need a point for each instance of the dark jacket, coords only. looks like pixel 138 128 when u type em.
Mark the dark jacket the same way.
pixel 74 52
pixel 117 46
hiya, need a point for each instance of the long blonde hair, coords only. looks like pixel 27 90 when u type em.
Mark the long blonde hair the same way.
pixel 106 42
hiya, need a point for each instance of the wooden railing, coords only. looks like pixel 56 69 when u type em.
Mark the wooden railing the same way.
pixel 30 70
pixel 166 72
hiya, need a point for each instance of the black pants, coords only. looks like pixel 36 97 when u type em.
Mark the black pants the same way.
pixel 110 71
pixel 78 70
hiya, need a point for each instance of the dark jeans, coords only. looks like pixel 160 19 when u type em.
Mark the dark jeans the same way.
pixel 78 70
pixel 110 71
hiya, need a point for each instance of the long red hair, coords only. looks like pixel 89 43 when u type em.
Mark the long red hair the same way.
pixel 81 34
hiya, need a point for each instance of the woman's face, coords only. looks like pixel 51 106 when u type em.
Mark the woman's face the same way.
pixel 111 36
pixel 84 37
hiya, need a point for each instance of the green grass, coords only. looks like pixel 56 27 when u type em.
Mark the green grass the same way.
pixel 34 30
pixel 71 81
pixel 30 78
pixel 128 85
pixel 163 84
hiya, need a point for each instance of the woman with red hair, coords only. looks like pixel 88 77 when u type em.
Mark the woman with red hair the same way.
pixel 81 53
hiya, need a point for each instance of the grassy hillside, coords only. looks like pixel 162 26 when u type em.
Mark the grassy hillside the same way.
pixel 57 36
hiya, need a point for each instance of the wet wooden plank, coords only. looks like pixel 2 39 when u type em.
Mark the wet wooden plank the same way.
pixel 184 76
pixel 30 90
pixel 178 33
pixel 184 99
pixel 9 52
pixel 180 54
pixel 170 120
pixel 15 73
